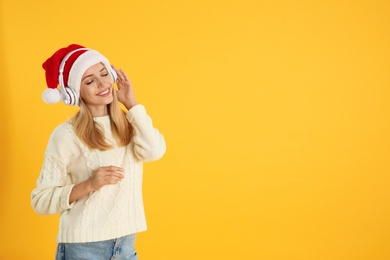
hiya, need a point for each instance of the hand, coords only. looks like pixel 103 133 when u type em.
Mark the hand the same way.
pixel 125 91
pixel 109 175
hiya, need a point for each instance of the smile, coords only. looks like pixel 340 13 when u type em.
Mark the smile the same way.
pixel 104 93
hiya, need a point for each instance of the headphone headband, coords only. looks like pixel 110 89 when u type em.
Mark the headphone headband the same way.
pixel 62 66
pixel 64 93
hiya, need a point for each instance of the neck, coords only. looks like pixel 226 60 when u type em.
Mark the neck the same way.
pixel 97 111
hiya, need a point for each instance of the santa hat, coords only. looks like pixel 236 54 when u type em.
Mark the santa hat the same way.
pixel 65 68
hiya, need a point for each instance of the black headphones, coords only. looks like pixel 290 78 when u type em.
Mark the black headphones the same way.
pixel 68 96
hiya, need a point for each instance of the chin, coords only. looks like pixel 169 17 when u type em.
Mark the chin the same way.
pixel 109 101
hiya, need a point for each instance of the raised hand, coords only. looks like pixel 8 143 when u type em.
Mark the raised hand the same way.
pixel 125 91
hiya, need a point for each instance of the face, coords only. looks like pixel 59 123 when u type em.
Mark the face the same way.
pixel 96 89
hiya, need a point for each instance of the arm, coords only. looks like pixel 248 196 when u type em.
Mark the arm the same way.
pixel 109 175
pixel 149 142
pixel 52 192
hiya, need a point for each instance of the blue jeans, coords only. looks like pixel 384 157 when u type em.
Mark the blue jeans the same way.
pixel 115 249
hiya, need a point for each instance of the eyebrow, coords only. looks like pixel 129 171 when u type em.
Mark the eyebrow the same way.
pixel 92 74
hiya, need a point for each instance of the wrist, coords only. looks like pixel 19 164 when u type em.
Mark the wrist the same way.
pixel 88 185
pixel 130 104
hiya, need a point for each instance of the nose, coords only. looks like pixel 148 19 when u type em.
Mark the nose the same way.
pixel 101 83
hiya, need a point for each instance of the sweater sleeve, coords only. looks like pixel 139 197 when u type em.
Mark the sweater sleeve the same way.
pixel 149 143
pixel 53 189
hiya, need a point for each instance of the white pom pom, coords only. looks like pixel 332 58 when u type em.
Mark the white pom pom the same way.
pixel 51 95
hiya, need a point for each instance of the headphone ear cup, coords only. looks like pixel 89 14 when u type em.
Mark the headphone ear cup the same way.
pixel 71 101
pixel 113 74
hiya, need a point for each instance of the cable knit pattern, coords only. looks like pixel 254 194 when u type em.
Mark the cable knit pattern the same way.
pixel 114 210
pixel 51 165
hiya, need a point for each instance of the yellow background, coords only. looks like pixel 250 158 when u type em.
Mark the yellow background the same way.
pixel 275 113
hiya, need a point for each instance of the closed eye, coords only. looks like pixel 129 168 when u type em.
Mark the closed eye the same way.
pixel 89 82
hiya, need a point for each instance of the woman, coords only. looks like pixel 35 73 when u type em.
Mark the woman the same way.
pixel 92 169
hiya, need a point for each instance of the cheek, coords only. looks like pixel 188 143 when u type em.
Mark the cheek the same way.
pixel 108 81
pixel 85 92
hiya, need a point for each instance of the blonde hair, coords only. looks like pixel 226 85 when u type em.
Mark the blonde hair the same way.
pixel 92 135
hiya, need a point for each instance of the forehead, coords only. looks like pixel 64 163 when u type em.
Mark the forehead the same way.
pixel 98 67
pixel 93 70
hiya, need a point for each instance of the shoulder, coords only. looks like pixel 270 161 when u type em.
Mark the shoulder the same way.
pixel 63 138
pixel 63 147
pixel 63 132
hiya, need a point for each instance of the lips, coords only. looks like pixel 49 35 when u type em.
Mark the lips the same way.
pixel 104 93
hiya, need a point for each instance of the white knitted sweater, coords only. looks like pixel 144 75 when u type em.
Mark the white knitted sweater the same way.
pixel 114 210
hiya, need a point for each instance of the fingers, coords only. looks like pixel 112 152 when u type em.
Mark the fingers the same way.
pixel 109 175
pixel 113 174
pixel 112 169
pixel 122 76
pixel 113 178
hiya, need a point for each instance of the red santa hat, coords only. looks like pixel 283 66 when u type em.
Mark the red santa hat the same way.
pixel 65 69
